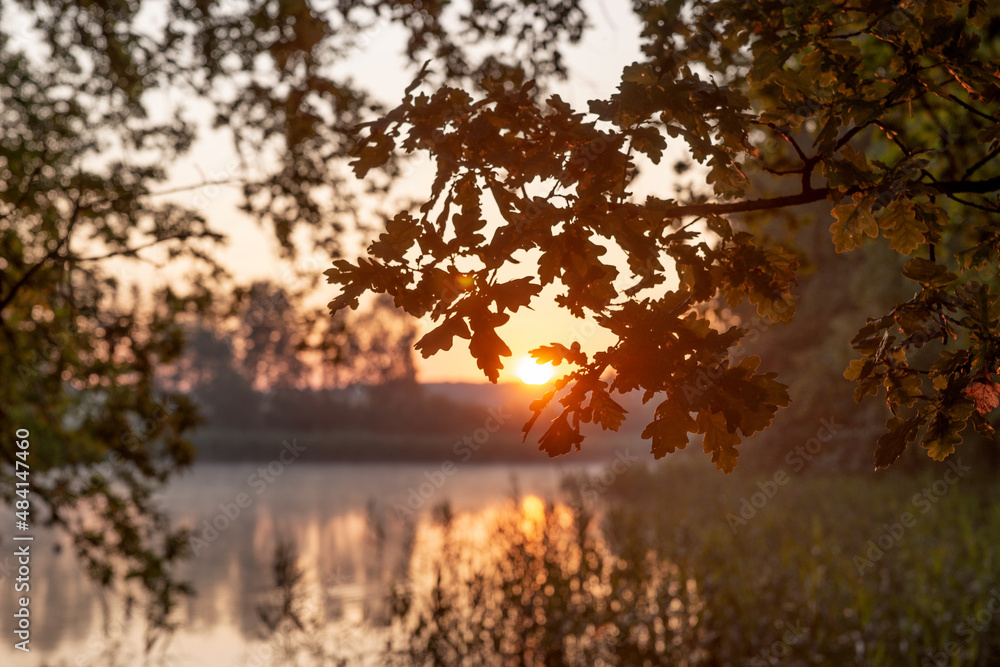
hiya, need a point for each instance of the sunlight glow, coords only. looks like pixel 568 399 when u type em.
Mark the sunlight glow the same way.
pixel 531 372
pixel 534 515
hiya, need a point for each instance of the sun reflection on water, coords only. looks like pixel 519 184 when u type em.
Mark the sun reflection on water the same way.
pixel 533 509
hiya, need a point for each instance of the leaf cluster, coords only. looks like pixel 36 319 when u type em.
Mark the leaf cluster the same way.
pixel 886 113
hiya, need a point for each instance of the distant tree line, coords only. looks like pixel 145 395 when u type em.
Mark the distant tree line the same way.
pixel 269 362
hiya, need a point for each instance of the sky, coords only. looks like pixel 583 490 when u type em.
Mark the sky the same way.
pixel 595 70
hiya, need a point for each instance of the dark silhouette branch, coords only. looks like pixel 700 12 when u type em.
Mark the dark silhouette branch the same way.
pixel 795 146
pixel 975 187
pixel 131 252
pixel 726 208
pixel 848 136
pixel 974 168
pixel 805 197
pixel 971 108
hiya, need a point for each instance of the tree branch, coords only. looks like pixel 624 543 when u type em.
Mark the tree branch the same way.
pixel 806 197
pixel 975 187
pixel 724 208
pixel 979 164
pixel 972 108
pixel 129 252
pixel 52 254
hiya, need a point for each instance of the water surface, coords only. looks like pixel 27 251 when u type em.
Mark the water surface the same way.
pixel 349 523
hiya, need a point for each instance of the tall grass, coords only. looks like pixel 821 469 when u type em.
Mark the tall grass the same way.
pixel 655 574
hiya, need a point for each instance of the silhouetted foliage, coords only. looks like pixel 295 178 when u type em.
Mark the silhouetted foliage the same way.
pixel 886 114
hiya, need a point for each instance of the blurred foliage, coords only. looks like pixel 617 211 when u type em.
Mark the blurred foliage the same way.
pixel 885 113
pixel 806 562
pixel 833 294
pixel 270 363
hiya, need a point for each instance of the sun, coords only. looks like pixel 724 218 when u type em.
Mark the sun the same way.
pixel 531 372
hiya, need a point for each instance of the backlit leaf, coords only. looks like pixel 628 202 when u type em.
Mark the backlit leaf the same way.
pixel 892 444
pixel 440 338
pixel 606 412
pixel 669 431
pixel 719 441
pixel 560 438
pixel 853 223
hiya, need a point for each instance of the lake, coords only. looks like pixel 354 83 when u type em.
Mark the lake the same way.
pixel 348 522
